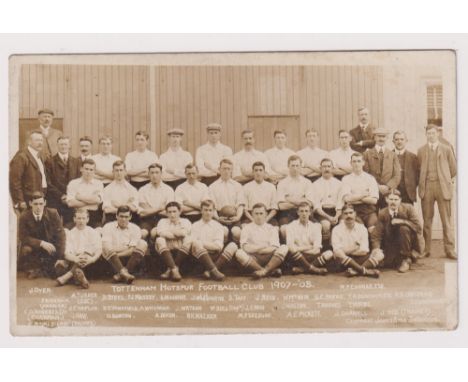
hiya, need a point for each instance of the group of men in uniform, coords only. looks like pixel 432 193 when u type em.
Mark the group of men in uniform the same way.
pixel 351 207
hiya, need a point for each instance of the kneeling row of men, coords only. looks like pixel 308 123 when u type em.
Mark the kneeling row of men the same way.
pixel 52 249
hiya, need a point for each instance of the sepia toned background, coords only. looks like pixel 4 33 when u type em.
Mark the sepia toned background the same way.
pixel 121 99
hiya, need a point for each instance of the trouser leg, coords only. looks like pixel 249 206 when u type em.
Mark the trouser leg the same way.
pixel 445 212
pixel 427 204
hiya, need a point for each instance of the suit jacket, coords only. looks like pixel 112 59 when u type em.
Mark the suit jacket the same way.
pixel 50 143
pixel 54 232
pixel 58 177
pixel 391 171
pixel 25 177
pixel 383 228
pixel 410 173
pixel 446 169
pixel 367 138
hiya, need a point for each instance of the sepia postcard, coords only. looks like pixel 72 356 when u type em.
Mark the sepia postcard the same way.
pixel 233 193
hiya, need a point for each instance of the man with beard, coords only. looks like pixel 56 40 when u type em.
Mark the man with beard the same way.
pixel 209 155
pixel 396 233
pixel 244 159
pixel 363 134
pixel 350 242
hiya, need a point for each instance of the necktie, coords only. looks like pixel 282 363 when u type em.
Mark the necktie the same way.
pixel 38 218
pixel 381 157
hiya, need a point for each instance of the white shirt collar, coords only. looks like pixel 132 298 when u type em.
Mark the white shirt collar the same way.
pixel 63 157
pixel 400 152
pixel 38 216
pixel 434 145
pixel 364 126
pixel 45 129
pixel 379 148
pixel 33 152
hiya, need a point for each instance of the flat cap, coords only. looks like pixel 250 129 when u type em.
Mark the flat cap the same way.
pixel 45 110
pixel 213 126
pixel 175 132
pixel 380 131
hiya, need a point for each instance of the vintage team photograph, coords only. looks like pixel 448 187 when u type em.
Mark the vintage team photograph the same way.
pixel 233 193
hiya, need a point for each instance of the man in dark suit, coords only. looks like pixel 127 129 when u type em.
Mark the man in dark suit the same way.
pixel 396 233
pixel 362 136
pixel 46 118
pixel 383 165
pixel 60 169
pixel 42 238
pixel 409 168
pixel 438 168
pixel 27 172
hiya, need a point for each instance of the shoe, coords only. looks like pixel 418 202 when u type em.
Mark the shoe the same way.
pixel 61 267
pixel 405 266
pixel 350 272
pixel 426 254
pixel 207 275
pixel 217 275
pixel 374 273
pixel 62 280
pixel 317 271
pixel 175 274
pixel 452 255
pixel 33 274
pixel 127 277
pixel 297 270
pixel 166 275
pixel 81 278
pixel 117 278
pixel 276 273
pixel 259 274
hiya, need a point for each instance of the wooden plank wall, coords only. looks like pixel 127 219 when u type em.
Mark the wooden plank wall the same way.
pixel 119 100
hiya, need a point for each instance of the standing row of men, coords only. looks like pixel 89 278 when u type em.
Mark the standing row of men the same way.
pixel 391 169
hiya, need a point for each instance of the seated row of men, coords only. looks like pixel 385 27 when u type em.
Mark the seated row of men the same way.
pixel 47 247
pixel 233 202
pixel 102 186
